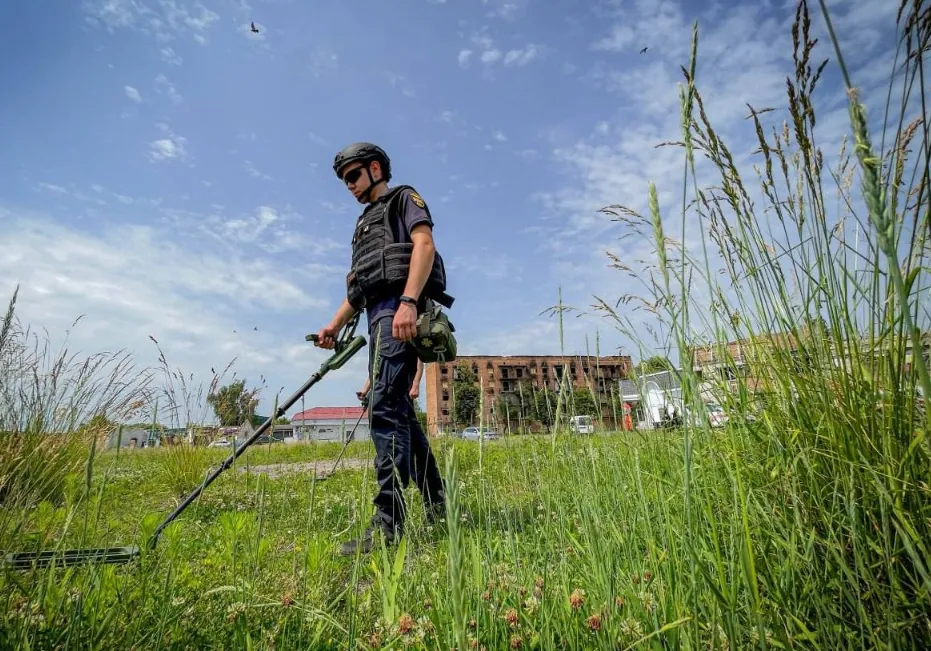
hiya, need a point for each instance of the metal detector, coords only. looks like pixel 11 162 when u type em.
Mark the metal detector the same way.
pixel 365 404
pixel 346 347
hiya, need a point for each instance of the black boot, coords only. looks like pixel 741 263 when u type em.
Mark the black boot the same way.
pixel 435 515
pixel 366 542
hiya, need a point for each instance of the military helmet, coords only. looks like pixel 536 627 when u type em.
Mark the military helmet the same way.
pixel 361 151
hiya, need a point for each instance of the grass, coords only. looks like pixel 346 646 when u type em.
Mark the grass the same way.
pixel 804 523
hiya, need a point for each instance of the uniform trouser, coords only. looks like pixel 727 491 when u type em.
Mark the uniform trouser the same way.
pixel 402 451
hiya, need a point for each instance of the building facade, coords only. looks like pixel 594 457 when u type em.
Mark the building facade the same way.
pixel 330 424
pixel 503 376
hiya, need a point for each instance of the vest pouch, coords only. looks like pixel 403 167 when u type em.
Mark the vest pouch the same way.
pixel 434 340
pixel 397 263
pixel 370 273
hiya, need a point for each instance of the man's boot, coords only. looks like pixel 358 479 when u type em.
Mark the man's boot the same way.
pixel 366 541
pixel 435 515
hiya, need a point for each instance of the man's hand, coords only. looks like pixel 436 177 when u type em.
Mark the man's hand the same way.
pixel 326 338
pixel 415 392
pixel 362 394
pixel 404 326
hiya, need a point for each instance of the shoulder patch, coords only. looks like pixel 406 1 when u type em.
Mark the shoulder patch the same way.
pixel 418 201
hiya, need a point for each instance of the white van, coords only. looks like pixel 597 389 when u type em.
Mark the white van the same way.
pixel 582 424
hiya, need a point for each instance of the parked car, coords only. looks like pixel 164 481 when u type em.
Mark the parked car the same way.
pixel 582 425
pixel 472 434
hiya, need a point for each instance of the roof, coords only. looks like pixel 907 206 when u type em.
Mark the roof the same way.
pixel 328 413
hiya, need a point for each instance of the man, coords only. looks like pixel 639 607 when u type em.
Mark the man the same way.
pixel 395 268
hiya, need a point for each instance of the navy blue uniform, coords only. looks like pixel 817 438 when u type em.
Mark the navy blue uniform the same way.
pixel 400 442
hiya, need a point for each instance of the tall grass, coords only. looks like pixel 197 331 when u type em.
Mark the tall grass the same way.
pixel 831 362
pixel 804 523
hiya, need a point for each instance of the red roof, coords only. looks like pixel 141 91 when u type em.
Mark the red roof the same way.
pixel 328 413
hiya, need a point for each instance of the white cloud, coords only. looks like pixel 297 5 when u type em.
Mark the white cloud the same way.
pixel 396 80
pixel 204 307
pixel 170 147
pixel 520 57
pixel 500 137
pixel 490 54
pixel 170 57
pixel 163 19
pixel 164 87
pixel 621 37
pixel 166 148
pixel 505 9
pixel 51 187
pixel 255 173
pixel 132 93
pixel 317 140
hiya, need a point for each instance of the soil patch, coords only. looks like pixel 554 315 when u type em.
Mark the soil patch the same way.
pixel 322 468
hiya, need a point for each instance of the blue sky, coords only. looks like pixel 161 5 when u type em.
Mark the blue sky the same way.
pixel 165 172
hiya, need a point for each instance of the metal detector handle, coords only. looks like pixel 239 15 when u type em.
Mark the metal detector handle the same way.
pixel 335 362
pixel 343 356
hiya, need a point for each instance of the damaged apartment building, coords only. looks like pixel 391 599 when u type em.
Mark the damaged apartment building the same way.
pixel 501 375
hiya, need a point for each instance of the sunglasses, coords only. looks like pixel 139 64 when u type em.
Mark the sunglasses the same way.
pixel 352 175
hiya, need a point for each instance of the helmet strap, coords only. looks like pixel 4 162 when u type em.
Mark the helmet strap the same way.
pixel 367 195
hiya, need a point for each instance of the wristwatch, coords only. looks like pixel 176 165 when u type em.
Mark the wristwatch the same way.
pixel 408 299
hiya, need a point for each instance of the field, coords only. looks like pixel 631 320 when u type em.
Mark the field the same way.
pixel 804 523
pixel 585 545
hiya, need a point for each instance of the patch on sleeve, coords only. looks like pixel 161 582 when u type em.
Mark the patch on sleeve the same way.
pixel 417 200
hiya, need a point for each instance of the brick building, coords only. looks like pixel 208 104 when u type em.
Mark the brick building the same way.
pixel 500 375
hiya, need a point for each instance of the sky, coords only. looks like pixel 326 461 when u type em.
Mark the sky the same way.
pixel 165 172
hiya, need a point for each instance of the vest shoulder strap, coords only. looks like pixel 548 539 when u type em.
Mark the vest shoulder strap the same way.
pixel 391 212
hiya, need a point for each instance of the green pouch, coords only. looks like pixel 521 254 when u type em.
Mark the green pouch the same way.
pixel 434 340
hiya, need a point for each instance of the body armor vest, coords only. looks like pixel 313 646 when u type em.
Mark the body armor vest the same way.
pixel 380 264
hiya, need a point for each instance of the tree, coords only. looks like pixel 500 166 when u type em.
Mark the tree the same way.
pixel 584 404
pixel 545 402
pixel 467 395
pixel 232 404
pixel 653 364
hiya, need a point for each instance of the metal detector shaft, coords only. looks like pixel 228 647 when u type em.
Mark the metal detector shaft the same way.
pixel 349 439
pixel 335 362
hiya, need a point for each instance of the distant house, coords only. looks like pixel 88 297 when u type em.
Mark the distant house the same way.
pixel 330 424
pixel 132 437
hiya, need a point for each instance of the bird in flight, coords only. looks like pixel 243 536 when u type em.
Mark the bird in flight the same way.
pixel 644 50
pixel 254 29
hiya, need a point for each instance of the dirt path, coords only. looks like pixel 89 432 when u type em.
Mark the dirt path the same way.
pixel 323 467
